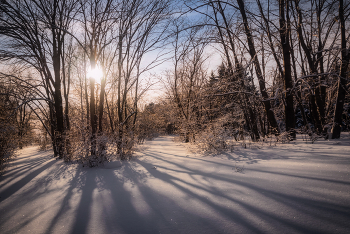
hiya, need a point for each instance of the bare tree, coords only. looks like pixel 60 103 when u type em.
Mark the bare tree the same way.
pixel 140 30
pixel 34 34
pixel 251 49
pixel 188 77
pixel 98 17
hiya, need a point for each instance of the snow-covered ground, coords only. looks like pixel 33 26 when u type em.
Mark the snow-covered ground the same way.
pixel 297 187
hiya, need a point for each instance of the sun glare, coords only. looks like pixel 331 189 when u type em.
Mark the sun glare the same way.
pixel 95 73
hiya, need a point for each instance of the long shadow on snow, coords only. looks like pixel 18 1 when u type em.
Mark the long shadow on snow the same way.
pixel 155 153
pixel 82 216
pixel 242 156
pixel 120 216
pixel 230 214
pixel 74 183
pixel 257 170
pixel 167 215
pixel 123 213
pixel 36 164
pixel 13 175
pixel 317 209
pixel 303 177
pixel 123 216
pixel 22 168
pixel 33 166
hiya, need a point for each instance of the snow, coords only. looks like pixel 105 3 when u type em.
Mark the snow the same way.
pixel 296 187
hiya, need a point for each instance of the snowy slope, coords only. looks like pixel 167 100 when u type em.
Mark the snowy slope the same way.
pixel 289 188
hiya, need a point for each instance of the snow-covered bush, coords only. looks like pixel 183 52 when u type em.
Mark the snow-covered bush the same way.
pixel 108 147
pixel 213 140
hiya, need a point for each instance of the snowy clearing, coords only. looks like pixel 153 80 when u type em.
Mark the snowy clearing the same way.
pixel 297 187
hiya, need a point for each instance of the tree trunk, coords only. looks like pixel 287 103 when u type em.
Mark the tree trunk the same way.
pixel 102 144
pixel 270 115
pixel 345 56
pixel 287 72
pixel 119 106
pixel 58 100
pixel 101 105
pixel 53 127
pixel 93 116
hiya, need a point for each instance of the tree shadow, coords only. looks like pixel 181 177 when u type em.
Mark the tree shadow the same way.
pixel 317 210
pixel 31 168
pixel 230 214
pixel 167 192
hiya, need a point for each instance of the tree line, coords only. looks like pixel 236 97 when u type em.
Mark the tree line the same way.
pixel 284 69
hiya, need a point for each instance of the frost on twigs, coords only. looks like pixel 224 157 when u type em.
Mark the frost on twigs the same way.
pixel 108 148
pixel 214 140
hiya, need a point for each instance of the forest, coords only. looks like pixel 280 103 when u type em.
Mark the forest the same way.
pixel 79 76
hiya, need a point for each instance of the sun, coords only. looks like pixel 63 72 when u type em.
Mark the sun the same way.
pixel 95 73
